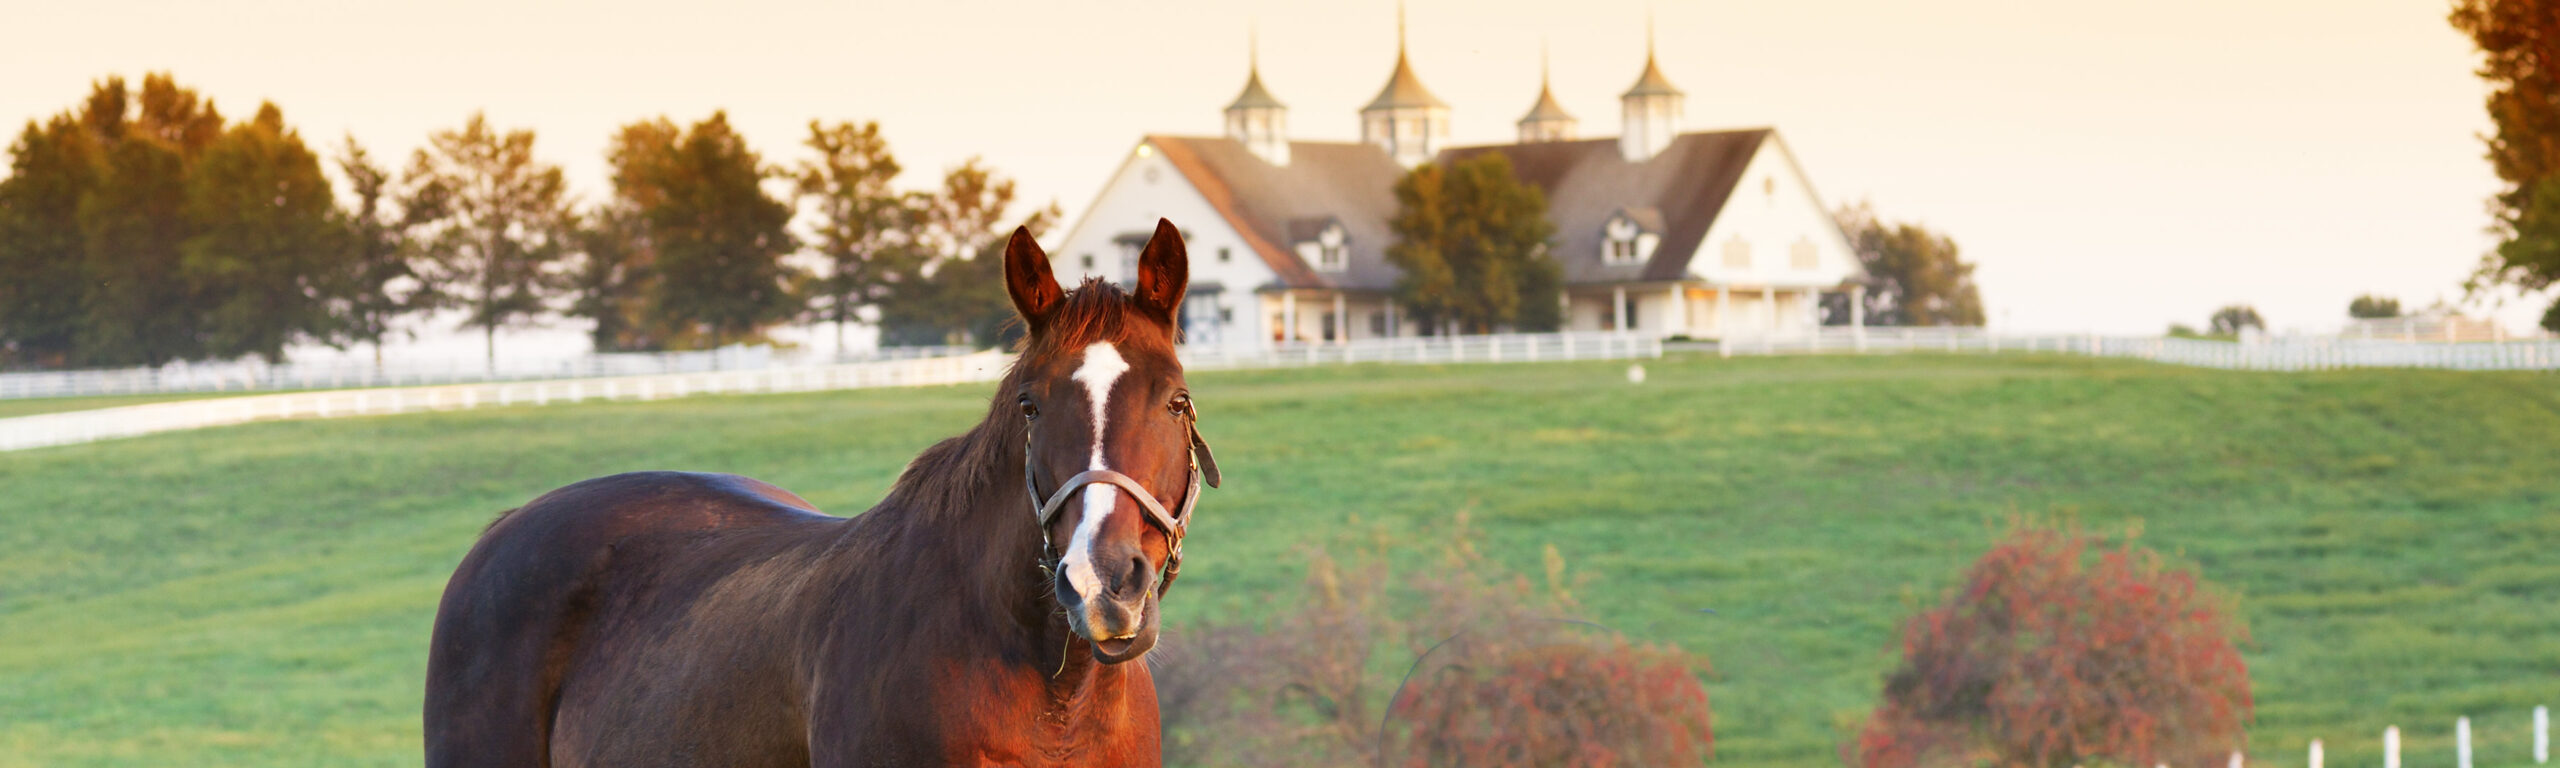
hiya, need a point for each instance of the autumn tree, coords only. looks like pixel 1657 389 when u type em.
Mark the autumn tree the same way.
pixel 267 245
pixel 1471 242
pixel 377 282
pixel 1913 276
pixel 2055 651
pixel 862 226
pixel 2519 42
pixel 959 296
pixel 493 221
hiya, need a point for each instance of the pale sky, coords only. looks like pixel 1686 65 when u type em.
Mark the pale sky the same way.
pixel 2110 165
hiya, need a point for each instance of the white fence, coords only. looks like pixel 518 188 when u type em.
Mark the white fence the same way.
pixel 255 375
pixel 105 423
pixel 2271 354
pixel 2461 743
pixel 1496 348
pixel 100 424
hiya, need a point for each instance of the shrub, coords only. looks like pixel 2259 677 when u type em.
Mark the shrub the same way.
pixel 2045 659
pixel 1499 677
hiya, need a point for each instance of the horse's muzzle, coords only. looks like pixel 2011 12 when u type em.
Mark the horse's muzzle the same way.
pixel 1120 623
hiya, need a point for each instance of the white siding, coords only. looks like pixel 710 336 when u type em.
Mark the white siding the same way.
pixel 1772 210
pixel 1146 188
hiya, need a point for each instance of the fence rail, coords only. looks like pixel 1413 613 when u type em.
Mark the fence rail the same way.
pixel 2271 354
pixel 84 426
pixel 1495 348
pixel 253 375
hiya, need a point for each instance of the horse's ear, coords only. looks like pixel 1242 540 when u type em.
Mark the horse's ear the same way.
pixel 1026 276
pixel 1164 270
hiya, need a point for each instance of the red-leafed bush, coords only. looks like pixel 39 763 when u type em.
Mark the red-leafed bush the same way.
pixel 2048 657
pixel 1497 678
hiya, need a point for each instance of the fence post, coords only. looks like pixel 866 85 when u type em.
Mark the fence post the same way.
pixel 2235 759
pixel 2391 747
pixel 2462 742
pixel 2315 753
pixel 2541 735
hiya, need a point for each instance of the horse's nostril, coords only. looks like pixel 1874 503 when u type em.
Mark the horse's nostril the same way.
pixel 1137 580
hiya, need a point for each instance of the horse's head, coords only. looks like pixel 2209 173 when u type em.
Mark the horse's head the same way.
pixel 1110 453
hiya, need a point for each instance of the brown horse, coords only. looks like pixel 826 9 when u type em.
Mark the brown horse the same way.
pixel 974 617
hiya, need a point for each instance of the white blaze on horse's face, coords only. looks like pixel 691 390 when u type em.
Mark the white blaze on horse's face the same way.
pixel 1101 368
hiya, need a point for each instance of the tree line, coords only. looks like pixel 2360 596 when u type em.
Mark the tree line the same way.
pixel 140 227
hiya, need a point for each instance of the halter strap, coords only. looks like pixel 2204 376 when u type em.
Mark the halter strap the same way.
pixel 1175 523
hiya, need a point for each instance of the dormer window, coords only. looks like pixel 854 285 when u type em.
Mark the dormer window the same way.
pixel 1629 236
pixel 1323 244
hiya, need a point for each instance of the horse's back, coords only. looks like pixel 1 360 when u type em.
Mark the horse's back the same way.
pixel 519 614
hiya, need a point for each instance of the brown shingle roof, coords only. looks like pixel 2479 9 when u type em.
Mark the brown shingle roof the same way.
pixel 1588 181
pixel 1676 194
pixel 1351 182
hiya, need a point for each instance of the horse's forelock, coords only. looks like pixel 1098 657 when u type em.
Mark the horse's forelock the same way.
pixel 1096 311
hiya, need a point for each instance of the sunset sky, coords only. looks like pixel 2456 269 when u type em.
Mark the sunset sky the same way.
pixel 2111 166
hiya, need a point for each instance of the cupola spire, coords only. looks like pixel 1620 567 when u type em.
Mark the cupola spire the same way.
pixel 1405 120
pixel 1256 119
pixel 1547 120
pixel 1649 112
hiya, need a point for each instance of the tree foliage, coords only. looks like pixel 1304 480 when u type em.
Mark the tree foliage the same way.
pixel 493 219
pixel 2229 320
pixel 2519 42
pixel 1913 276
pixel 1471 241
pixel 266 245
pixel 958 296
pixel 2042 658
pixel 863 227
pixel 378 283
pixel 2373 307
pixel 711 243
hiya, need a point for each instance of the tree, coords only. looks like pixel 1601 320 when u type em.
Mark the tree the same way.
pixel 493 220
pixel 2373 307
pixel 2228 321
pixel 862 224
pixel 2522 64
pixel 1471 240
pixel 136 306
pixel 2044 659
pixel 716 238
pixel 42 256
pixel 377 283
pixel 1913 276
pixel 958 294
pixel 612 280
pixel 266 244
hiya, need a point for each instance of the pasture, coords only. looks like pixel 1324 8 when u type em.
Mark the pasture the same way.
pixel 260 595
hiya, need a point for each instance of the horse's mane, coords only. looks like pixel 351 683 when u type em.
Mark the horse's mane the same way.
pixel 943 479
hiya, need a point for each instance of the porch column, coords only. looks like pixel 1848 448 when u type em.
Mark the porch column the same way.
pixel 1618 307
pixel 1858 315
pixel 1393 330
pixel 1288 315
pixel 1341 319
pixel 1678 316
pixel 1769 296
pixel 1724 311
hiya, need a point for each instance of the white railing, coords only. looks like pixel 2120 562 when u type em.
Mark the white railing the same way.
pixel 2461 744
pixel 104 423
pixel 1495 348
pixel 2270 354
pixel 774 376
pixel 252 375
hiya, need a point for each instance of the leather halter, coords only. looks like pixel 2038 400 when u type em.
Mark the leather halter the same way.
pixel 1174 523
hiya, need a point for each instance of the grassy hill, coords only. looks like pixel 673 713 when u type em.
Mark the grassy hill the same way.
pixel 260 595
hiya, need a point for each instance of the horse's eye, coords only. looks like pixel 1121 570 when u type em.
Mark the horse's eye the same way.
pixel 1029 411
pixel 1181 404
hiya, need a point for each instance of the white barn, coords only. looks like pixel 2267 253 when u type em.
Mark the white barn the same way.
pixel 1659 231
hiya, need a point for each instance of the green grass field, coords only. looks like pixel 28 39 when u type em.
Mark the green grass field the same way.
pixel 260 595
